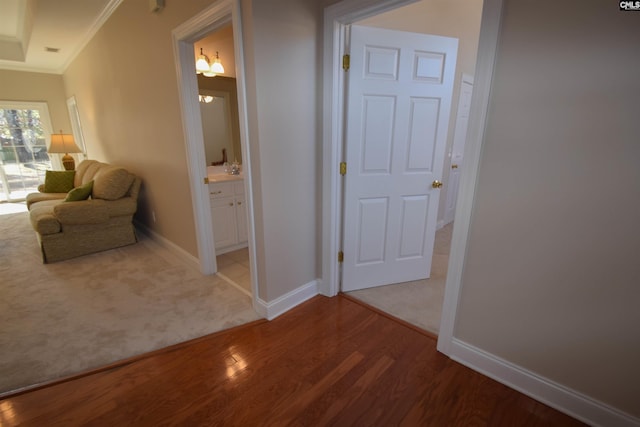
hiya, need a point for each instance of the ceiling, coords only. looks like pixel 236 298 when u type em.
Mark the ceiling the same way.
pixel 46 35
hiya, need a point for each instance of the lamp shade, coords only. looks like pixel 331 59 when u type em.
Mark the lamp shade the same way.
pixel 63 143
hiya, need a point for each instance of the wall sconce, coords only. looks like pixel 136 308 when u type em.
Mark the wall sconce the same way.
pixel 64 143
pixel 206 99
pixel 217 67
pixel 203 67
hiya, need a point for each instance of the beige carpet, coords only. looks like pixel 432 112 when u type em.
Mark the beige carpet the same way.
pixel 418 302
pixel 64 318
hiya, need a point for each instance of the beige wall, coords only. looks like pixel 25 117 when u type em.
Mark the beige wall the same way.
pixel 126 88
pixel 450 18
pixel 37 87
pixel 282 62
pixel 551 281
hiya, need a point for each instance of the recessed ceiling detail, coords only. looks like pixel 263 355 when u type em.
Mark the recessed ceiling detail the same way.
pixel 30 30
pixel 16 21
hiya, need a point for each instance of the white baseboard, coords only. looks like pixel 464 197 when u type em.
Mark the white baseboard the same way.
pixel 271 310
pixel 563 399
pixel 176 250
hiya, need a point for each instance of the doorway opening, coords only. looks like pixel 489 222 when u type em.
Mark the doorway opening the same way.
pixel 218 100
pixel 212 188
pixel 337 17
pixel 418 301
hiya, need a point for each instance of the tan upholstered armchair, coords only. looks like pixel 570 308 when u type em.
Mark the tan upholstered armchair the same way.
pixel 67 229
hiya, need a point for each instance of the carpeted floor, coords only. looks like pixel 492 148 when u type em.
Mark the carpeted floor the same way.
pixel 64 318
pixel 418 302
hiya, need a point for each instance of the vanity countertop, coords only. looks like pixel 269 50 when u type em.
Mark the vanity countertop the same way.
pixel 224 177
pixel 217 174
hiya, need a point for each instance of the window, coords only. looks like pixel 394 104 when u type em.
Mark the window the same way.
pixel 25 128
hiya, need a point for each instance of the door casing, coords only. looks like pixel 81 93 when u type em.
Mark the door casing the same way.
pixel 184 36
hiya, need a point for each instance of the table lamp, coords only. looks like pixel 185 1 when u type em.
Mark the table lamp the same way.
pixel 64 143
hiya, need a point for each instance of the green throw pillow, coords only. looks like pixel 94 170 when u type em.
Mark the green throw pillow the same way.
pixel 80 193
pixel 58 181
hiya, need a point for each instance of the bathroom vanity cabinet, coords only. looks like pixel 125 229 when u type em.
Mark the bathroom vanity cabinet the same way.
pixel 229 215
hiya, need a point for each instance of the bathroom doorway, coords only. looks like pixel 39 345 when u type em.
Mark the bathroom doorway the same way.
pixel 218 197
pixel 218 101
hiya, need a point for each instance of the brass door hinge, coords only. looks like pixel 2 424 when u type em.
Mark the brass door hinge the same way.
pixel 206 180
pixel 340 256
pixel 346 62
pixel 343 168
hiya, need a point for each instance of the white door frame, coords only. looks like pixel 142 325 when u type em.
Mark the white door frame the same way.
pixel 184 37
pixel 336 17
pixel 466 78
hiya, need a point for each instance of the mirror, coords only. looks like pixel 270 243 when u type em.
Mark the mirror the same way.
pixel 220 124
pixel 216 127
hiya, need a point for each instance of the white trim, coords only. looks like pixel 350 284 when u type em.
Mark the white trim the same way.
pixel 183 38
pixel 231 248
pixel 176 250
pixel 487 53
pixel 76 124
pixel 564 399
pixel 271 310
pixel 336 17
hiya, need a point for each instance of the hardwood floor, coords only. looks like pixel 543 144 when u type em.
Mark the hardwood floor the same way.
pixel 330 361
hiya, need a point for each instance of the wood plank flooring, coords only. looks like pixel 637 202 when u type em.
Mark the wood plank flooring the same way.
pixel 330 361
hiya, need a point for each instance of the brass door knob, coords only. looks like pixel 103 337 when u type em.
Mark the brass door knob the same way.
pixel 454 166
pixel 436 184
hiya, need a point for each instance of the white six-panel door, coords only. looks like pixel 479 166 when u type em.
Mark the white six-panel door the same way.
pixel 399 90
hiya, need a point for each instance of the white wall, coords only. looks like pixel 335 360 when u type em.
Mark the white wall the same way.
pixel 551 281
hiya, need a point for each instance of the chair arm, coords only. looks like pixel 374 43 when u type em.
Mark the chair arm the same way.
pixel 92 211
pixel 121 207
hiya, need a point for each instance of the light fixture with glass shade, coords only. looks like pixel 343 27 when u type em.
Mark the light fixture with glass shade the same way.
pixel 202 63
pixel 203 67
pixel 217 67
